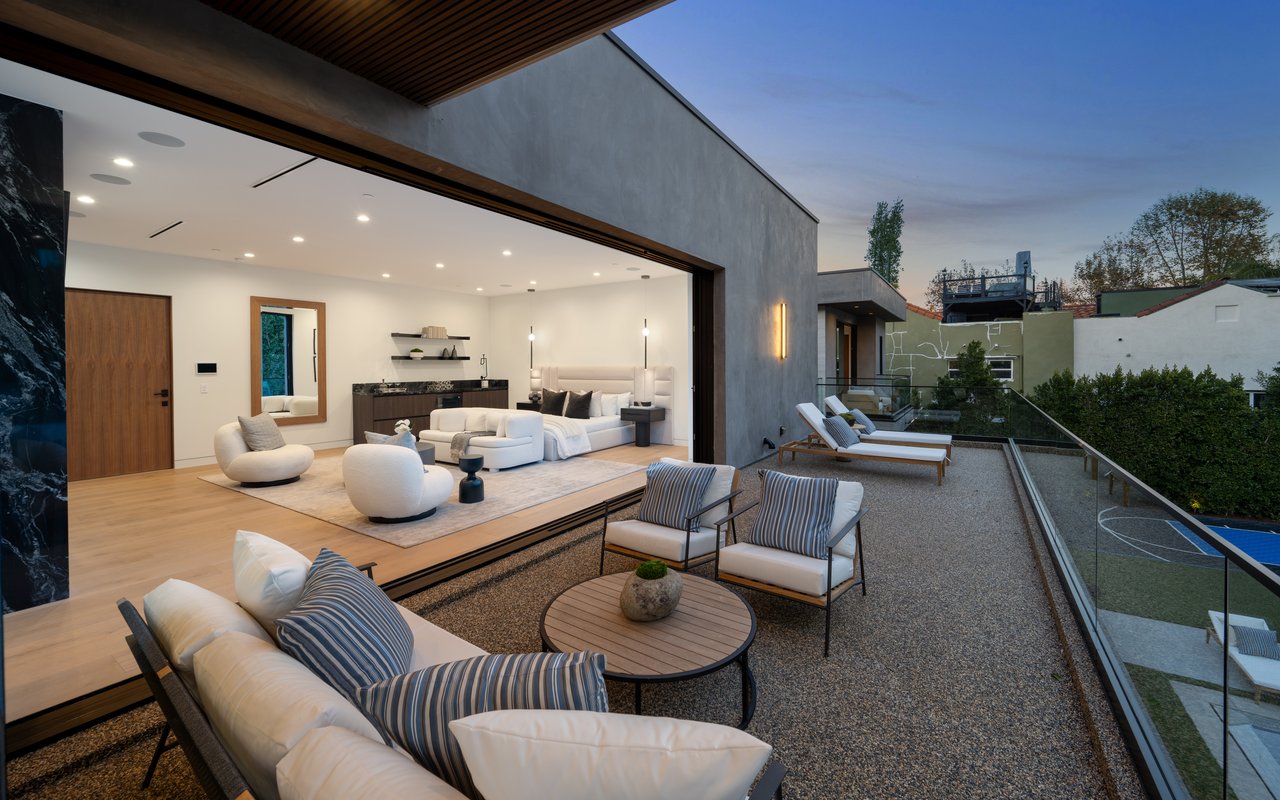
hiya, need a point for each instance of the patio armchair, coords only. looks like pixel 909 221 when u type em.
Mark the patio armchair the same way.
pixel 796 576
pixel 875 435
pixel 691 544
pixel 821 443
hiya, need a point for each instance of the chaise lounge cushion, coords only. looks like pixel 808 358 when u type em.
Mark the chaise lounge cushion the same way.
pixel 584 756
pixel 261 702
pixel 185 618
pixel 333 763
pixel 414 709
pixel 345 628
pixel 268 575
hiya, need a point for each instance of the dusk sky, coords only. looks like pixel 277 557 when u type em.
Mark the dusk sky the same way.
pixel 1002 126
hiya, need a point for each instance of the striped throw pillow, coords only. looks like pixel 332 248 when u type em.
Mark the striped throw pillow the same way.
pixel 415 710
pixel 344 628
pixel 672 493
pixel 795 513
pixel 840 431
pixel 1256 641
pixel 863 420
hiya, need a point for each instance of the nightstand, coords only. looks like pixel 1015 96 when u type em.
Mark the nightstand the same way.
pixel 643 417
pixel 529 406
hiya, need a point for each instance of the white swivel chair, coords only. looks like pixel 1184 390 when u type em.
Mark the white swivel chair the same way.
pixel 388 483
pixel 255 468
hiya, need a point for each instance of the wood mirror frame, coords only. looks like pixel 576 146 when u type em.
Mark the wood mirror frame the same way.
pixel 256 306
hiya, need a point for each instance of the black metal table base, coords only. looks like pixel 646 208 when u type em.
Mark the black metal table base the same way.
pixel 749 691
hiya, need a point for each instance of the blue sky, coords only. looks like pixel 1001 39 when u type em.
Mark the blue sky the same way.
pixel 1002 126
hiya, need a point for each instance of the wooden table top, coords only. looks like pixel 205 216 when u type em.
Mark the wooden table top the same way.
pixel 711 627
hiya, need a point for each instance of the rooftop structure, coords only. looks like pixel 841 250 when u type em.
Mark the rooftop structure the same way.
pixel 983 298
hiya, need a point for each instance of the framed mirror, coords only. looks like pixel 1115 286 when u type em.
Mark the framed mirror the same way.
pixel 286 360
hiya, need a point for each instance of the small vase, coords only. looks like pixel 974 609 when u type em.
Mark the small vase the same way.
pixel 646 600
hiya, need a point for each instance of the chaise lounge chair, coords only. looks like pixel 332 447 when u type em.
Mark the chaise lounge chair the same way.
pixel 875 435
pixel 1262 672
pixel 820 443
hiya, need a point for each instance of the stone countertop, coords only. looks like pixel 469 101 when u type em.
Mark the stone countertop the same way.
pixel 426 387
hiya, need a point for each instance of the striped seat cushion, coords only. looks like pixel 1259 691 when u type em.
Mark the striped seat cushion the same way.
pixel 344 628
pixel 672 493
pixel 840 431
pixel 795 513
pixel 415 710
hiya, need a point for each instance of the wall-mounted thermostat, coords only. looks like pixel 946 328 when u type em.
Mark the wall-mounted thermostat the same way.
pixel 206 368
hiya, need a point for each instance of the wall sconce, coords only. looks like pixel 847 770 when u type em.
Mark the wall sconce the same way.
pixel 780 324
pixel 644 332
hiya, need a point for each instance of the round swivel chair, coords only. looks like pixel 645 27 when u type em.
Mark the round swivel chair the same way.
pixel 253 468
pixel 388 483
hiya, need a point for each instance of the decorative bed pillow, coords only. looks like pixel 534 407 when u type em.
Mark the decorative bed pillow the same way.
pixel 553 403
pixel 672 493
pixel 597 404
pixel 261 432
pixel 578 755
pixel 1256 641
pixel 404 439
pixel 268 576
pixel 609 404
pixel 345 628
pixel 839 429
pixel 415 710
pixel 795 513
pixel 578 406
pixel 863 420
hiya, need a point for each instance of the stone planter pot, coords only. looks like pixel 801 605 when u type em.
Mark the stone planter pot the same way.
pixel 645 600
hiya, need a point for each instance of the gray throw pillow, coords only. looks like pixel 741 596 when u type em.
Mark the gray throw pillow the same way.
pixel 403 439
pixel 863 420
pixel 840 431
pixel 261 432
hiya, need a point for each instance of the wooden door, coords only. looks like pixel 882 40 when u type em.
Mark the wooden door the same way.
pixel 119 384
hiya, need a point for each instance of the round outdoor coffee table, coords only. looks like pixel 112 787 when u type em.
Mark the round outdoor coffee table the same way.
pixel 711 628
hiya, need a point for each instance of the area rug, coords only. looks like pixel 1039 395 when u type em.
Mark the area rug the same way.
pixel 320 493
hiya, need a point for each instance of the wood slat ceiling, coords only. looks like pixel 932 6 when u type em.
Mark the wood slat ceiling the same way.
pixel 430 50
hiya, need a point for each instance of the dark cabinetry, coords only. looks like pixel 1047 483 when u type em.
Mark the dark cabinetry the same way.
pixel 379 413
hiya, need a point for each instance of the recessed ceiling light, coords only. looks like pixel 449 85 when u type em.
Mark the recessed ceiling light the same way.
pixel 162 139
pixel 86 199
pixel 362 217
pixel 506 252
pixel 248 255
pixel 386 274
pixel 595 274
pixel 504 286
pixel 439 265
pixel 533 283
pixel 115 180
pixel 633 269
pixel 479 288
pixel 122 162
pixel 299 239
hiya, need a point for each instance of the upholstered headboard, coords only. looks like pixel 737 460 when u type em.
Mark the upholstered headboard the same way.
pixel 657 383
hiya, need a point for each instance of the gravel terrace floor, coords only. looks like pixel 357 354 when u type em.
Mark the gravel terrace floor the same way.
pixel 946 680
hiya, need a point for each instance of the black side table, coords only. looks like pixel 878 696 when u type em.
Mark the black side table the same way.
pixel 643 417
pixel 522 406
pixel 471 488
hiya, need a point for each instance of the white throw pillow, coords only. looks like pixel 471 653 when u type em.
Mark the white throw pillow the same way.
pixel 609 404
pixel 335 764
pixel 597 405
pixel 261 703
pixel 534 755
pixel 848 501
pixel 268 575
pixel 185 617
pixel 477 419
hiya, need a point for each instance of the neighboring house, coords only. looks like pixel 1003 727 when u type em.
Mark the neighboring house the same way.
pixel 1232 327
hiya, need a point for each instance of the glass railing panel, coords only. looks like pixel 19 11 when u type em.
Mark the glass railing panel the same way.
pixel 1248 712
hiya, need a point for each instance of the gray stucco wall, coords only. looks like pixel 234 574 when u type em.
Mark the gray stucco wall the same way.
pixel 589 129
pixel 588 136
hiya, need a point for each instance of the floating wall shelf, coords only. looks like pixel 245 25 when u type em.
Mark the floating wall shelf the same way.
pixel 434 339
pixel 431 358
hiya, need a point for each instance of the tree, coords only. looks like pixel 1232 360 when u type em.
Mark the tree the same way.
pixel 1184 239
pixel 1270 388
pixel 884 245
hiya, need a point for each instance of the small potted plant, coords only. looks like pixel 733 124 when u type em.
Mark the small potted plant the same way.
pixel 651 592
pixel 416 353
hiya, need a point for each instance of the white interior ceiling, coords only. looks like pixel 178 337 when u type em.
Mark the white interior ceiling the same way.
pixel 207 184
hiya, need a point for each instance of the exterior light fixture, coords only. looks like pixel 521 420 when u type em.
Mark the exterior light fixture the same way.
pixel 780 337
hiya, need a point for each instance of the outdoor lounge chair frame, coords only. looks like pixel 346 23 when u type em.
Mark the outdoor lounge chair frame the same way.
pixel 871 436
pixel 690 524
pixel 832 594
pixel 814 444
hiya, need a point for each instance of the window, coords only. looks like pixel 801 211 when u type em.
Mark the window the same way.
pixel 1002 367
pixel 277 342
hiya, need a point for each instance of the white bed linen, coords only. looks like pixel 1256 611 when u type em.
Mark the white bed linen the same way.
pixel 601 423
pixel 565 437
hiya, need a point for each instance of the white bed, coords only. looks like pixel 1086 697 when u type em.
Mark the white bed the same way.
pixel 607 430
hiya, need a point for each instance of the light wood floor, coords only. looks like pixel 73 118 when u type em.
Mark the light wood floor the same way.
pixel 130 533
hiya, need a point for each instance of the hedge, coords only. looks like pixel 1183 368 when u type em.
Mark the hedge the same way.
pixel 1193 438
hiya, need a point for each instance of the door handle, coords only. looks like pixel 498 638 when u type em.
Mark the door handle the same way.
pixel 161 393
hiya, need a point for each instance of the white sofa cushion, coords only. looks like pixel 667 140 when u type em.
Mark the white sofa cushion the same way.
pixel 185 618
pixel 434 645
pixel 848 501
pixel 581 755
pixel 782 568
pixel 268 577
pixel 274 403
pixel 261 702
pixel 335 764
pixel 657 540
pixel 721 485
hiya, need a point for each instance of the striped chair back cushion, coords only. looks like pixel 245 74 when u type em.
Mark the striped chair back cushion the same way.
pixel 1256 641
pixel 795 513
pixel 344 628
pixel 415 710
pixel 863 420
pixel 672 493
pixel 839 429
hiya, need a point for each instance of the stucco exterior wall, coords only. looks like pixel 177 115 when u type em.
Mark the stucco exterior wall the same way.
pixel 1229 329
pixel 920 347
pixel 1048 346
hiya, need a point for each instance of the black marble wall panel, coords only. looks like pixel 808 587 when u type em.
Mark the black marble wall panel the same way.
pixel 33 398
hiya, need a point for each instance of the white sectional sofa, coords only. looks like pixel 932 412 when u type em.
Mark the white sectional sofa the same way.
pixel 256 723
pixel 291 405
pixel 517 437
